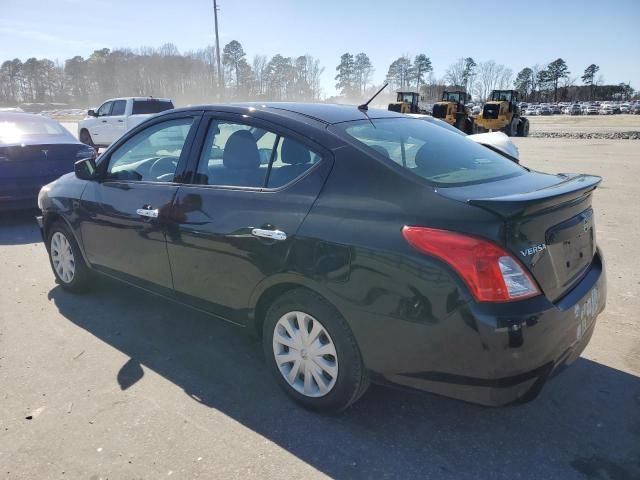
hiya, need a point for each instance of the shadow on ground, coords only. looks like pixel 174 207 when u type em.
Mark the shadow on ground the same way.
pixel 585 424
pixel 19 227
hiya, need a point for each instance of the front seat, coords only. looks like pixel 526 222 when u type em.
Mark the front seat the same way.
pixel 241 162
pixel 296 158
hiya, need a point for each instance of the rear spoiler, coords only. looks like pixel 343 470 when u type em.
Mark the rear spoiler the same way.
pixel 573 187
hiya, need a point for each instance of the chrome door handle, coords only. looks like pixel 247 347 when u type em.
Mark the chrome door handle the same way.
pixel 271 234
pixel 147 212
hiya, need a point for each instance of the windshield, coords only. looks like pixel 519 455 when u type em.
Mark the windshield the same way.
pixel 431 152
pixel 17 127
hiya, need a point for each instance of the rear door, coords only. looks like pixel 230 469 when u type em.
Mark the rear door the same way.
pixel 254 183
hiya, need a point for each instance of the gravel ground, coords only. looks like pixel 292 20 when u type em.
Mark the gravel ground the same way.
pixel 120 384
pixel 612 127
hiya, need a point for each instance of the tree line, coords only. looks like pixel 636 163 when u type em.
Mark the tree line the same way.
pixel 187 78
pixel 192 77
pixel 553 82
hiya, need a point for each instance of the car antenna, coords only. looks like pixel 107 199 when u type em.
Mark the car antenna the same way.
pixel 365 106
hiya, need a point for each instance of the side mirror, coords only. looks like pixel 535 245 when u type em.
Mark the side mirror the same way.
pixel 92 113
pixel 86 169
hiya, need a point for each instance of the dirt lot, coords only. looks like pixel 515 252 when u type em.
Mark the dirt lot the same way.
pixel 119 384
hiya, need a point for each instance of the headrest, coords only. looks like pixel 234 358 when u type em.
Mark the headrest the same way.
pixel 422 156
pixel 241 151
pixel 380 149
pixel 430 162
pixel 294 153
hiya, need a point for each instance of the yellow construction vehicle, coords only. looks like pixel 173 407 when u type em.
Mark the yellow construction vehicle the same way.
pixel 452 110
pixel 501 113
pixel 407 102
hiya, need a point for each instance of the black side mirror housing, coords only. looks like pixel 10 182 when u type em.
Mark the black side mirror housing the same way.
pixel 86 169
pixel 92 113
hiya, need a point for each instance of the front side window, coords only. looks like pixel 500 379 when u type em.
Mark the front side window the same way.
pixel 118 107
pixel 105 109
pixel 431 152
pixel 240 155
pixel 152 154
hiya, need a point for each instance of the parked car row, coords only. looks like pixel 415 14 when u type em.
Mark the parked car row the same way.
pixel 580 108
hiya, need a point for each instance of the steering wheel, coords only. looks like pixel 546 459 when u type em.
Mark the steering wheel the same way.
pixel 163 166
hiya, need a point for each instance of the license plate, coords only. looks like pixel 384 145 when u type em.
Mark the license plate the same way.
pixel 586 311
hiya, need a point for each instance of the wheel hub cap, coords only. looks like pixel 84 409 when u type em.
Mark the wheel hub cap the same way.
pixel 62 257
pixel 305 354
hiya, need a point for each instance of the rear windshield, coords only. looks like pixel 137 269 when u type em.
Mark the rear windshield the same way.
pixel 144 107
pixel 16 127
pixel 431 152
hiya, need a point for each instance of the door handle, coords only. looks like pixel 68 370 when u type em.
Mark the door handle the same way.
pixel 147 212
pixel 120 120
pixel 271 234
pixel 104 121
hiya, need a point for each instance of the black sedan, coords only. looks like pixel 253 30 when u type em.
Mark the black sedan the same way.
pixel 34 150
pixel 361 245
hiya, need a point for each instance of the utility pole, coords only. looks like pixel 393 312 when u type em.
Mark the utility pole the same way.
pixel 220 74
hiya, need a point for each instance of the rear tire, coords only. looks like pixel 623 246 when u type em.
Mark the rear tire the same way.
pixel 319 363
pixel 85 137
pixel 66 260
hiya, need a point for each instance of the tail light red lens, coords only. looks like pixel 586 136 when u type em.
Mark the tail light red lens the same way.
pixel 491 273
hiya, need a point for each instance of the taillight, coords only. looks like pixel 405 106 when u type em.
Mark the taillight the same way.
pixel 491 273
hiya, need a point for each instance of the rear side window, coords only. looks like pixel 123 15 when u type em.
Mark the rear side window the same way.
pixel 118 107
pixel 239 155
pixel 145 107
pixel 440 157
pixel 292 159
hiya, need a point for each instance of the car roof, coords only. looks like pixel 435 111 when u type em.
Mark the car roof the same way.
pixel 143 99
pixel 326 113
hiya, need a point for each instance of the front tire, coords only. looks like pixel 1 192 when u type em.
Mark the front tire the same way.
pixel 523 128
pixel 312 352
pixel 66 260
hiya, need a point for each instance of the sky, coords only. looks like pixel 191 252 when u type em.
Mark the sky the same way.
pixel 516 34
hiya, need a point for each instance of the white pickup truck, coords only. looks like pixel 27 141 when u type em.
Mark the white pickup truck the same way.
pixel 117 115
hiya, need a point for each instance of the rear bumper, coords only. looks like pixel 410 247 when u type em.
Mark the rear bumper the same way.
pixel 18 203
pixel 493 355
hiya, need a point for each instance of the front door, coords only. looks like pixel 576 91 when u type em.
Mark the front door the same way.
pixel 100 126
pixel 237 224
pixel 122 214
pixel 115 126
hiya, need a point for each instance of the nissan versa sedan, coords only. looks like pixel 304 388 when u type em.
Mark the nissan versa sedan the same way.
pixel 361 245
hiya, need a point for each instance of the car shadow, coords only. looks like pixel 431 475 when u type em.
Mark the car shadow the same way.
pixel 585 424
pixel 19 227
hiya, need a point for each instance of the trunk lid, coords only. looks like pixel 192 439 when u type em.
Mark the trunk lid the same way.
pixel 25 168
pixel 548 223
